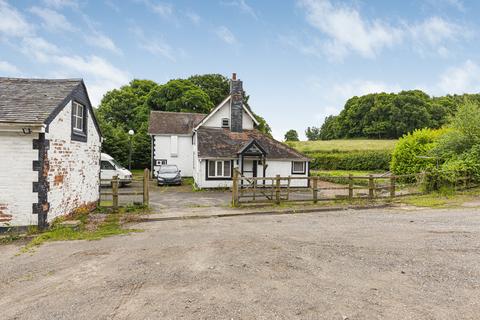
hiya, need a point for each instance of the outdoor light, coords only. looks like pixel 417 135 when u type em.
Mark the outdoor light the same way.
pixel 131 133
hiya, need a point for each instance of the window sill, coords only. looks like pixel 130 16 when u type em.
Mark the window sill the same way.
pixel 79 136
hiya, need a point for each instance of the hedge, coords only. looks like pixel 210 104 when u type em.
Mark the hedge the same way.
pixel 357 160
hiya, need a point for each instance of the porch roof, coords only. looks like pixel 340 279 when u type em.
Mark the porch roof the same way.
pixel 222 143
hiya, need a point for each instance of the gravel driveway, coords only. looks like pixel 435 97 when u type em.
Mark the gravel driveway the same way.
pixel 375 264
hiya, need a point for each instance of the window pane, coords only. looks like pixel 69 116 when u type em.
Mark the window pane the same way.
pixel 74 109
pixel 226 169
pixel 80 123
pixel 211 168
pixel 298 166
pixel 219 168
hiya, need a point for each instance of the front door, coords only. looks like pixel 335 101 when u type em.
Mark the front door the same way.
pixel 255 168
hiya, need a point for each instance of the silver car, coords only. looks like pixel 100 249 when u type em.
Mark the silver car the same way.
pixel 169 174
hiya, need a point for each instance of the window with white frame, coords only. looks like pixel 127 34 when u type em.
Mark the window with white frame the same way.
pixel 225 123
pixel 219 169
pixel 78 116
pixel 299 167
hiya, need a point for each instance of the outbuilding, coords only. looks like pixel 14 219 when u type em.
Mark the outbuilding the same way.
pixel 49 150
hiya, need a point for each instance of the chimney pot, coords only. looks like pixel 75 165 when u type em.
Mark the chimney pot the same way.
pixel 234 76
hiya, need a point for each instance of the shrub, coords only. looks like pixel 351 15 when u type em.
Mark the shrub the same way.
pixel 413 152
pixel 358 160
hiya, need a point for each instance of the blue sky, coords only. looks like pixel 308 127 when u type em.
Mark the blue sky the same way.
pixel 299 59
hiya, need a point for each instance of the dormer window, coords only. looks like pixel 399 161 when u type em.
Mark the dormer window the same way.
pixel 225 123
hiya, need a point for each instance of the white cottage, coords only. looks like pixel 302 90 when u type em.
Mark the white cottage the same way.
pixel 49 150
pixel 208 147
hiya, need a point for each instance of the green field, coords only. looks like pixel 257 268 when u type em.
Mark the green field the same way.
pixel 342 145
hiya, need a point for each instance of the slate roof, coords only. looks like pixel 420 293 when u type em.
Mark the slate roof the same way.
pixel 162 122
pixel 32 100
pixel 222 143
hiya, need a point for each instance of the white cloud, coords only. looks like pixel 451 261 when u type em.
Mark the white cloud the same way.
pixel 226 35
pixel 38 48
pixel 8 68
pixel 100 40
pixel 460 79
pixel 61 3
pixel 243 6
pixel 156 46
pixel 163 9
pixel 52 20
pixel 102 75
pixel 193 16
pixel 347 30
pixel 12 23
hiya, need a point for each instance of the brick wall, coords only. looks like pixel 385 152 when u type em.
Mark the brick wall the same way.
pixel 73 175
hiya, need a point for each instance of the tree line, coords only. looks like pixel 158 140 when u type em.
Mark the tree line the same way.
pixel 128 108
pixel 388 115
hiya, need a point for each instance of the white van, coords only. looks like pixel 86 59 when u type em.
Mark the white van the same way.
pixel 110 167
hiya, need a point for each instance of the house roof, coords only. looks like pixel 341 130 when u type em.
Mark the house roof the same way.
pixel 162 122
pixel 33 100
pixel 222 143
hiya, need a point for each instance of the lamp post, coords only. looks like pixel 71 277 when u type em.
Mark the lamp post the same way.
pixel 130 133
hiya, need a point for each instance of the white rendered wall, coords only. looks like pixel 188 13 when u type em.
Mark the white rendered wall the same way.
pixel 16 178
pixel 215 120
pixel 184 157
pixel 284 169
pixel 202 182
pixel 74 166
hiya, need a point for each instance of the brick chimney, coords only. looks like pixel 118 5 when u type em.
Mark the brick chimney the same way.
pixel 236 104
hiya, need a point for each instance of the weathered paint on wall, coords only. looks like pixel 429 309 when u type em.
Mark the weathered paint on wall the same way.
pixel 16 177
pixel 74 166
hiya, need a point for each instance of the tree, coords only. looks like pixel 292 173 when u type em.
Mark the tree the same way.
pixel 391 115
pixel 291 135
pixel 216 86
pixel 312 133
pixel 129 108
pixel 179 96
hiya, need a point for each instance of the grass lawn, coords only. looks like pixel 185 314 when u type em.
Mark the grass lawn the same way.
pixel 342 145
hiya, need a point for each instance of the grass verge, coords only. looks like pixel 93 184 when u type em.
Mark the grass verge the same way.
pixel 93 226
pixel 442 199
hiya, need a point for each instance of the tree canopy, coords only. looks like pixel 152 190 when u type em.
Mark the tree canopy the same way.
pixel 390 115
pixel 129 107
pixel 291 135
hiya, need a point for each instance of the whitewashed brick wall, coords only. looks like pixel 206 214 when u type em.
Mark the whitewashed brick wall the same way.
pixel 74 166
pixel 16 177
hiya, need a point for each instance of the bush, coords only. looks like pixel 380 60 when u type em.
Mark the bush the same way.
pixel 358 160
pixel 413 152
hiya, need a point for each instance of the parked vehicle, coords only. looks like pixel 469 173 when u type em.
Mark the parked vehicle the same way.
pixel 110 167
pixel 169 174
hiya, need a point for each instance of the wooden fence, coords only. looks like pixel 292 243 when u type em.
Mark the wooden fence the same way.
pixel 279 189
pixel 140 187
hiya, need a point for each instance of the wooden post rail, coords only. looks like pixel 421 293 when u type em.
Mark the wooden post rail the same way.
pixel 146 195
pixel 115 193
pixel 277 189
pixel 315 189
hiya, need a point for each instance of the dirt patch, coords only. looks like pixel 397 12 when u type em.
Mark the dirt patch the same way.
pixel 373 264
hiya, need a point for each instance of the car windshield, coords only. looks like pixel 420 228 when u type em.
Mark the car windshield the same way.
pixel 117 165
pixel 168 169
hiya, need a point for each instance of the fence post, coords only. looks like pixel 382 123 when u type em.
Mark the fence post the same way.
pixel 115 193
pixel 371 186
pixel 235 188
pixel 350 186
pixel 277 189
pixel 146 191
pixel 315 189
pixel 392 186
